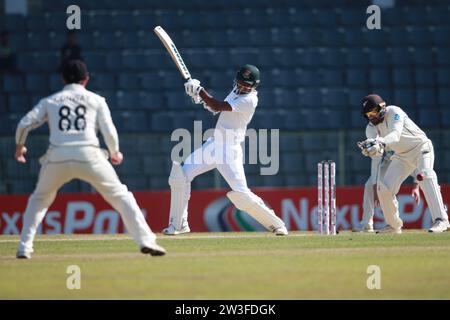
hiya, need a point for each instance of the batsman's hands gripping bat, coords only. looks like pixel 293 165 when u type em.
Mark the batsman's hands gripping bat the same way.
pixel 197 99
pixel 371 147
pixel 192 87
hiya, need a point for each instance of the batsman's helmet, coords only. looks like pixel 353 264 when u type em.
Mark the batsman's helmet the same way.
pixel 373 108
pixel 249 75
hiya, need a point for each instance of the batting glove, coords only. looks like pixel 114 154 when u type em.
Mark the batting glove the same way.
pixel 197 99
pixel 192 87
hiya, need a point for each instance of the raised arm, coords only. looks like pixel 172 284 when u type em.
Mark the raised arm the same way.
pixel 194 89
pixel 214 104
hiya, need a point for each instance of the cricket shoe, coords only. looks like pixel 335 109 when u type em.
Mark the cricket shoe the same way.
pixel 389 229
pixel 171 231
pixel 439 226
pixel 154 250
pixel 367 228
pixel 281 231
pixel 23 255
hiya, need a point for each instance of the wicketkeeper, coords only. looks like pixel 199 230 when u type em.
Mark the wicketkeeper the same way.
pixel 413 152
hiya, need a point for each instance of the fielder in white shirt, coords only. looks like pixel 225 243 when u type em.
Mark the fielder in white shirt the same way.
pixel 224 152
pixel 74 116
pixel 413 154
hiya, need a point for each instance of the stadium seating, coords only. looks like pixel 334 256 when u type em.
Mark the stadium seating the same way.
pixel 317 62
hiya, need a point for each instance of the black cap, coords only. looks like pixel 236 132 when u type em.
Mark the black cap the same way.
pixel 372 101
pixel 73 71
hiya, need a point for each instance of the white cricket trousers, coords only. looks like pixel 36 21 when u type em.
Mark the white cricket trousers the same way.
pixel 398 170
pixel 228 159
pixel 95 169
pixel 369 197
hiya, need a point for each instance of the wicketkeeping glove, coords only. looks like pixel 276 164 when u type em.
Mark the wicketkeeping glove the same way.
pixel 371 148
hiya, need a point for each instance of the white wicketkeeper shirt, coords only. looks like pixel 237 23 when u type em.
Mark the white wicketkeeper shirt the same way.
pixel 232 125
pixel 399 132
pixel 74 116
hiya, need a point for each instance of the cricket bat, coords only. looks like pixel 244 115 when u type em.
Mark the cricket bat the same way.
pixel 173 52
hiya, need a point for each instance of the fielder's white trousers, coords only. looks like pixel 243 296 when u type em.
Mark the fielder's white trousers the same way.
pixel 93 167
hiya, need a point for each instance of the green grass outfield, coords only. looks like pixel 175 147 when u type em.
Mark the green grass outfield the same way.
pixel 249 265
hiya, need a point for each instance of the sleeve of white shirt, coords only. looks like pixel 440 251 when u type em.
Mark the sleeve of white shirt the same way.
pixel 107 127
pixel 371 132
pixel 395 121
pixel 245 104
pixel 32 120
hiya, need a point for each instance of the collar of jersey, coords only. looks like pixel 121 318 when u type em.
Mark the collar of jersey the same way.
pixel 74 86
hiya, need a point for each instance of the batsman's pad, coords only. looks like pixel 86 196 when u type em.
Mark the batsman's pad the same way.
pixel 254 206
pixel 429 184
pixel 179 196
